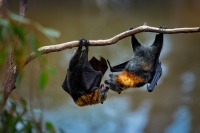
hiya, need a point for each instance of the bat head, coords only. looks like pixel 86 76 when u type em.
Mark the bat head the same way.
pixel 102 95
pixel 113 84
pixel 124 80
pixel 97 95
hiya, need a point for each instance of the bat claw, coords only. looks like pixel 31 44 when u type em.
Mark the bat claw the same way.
pixel 107 82
pixel 130 28
pixel 156 77
pixel 84 42
pixel 163 27
pixel 150 90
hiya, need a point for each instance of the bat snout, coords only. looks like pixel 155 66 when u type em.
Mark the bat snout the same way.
pixel 103 88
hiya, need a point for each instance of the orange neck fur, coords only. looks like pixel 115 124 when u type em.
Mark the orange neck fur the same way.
pixel 88 99
pixel 129 79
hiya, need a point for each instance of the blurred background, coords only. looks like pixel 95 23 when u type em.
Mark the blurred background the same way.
pixel 172 107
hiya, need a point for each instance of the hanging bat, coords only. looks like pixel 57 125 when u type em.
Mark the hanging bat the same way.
pixel 83 77
pixel 143 68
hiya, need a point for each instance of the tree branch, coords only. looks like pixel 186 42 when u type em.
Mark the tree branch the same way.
pixel 23 7
pixel 115 39
pixel 11 75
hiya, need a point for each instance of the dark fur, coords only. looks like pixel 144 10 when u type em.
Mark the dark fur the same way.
pixel 145 63
pixel 83 76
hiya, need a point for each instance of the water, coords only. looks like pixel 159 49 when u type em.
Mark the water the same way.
pixel 174 104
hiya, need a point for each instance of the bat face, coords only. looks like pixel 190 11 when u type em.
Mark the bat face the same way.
pixel 143 68
pixel 127 79
pixel 99 95
pixel 83 78
pixel 124 80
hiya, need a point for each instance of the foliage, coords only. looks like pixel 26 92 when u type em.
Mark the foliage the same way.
pixel 17 118
pixel 18 31
pixel 18 34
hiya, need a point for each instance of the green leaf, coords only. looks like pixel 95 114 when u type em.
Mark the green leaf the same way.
pixel 50 127
pixel 34 42
pixel 28 127
pixel 43 79
pixel 51 32
pixel 4 22
pixel 13 106
pixel 19 78
pixel 52 70
pixel 3 55
pixel 19 30
pixel 19 18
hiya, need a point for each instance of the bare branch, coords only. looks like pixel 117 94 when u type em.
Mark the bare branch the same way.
pixel 115 39
pixel 11 76
pixel 23 7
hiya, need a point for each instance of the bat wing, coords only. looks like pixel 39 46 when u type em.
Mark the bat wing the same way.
pixel 117 68
pixel 156 77
pixel 99 65
pixel 89 76
pixel 158 43
pixel 65 85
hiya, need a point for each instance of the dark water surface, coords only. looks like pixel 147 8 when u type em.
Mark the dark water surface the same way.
pixel 174 105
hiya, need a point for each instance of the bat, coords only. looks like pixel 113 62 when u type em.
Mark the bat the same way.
pixel 83 78
pixel 143 68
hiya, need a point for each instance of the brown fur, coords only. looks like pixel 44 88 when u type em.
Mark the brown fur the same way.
pixel 129 79
pixel 88 99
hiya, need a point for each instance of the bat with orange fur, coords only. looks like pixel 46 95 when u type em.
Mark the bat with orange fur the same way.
pixel 83 78
pixel 143 68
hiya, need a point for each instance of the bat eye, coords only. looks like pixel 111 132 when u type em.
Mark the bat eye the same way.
pixel 121 86
pixel 110 75
pixel 107 82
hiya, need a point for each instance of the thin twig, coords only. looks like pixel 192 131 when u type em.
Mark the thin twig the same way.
pixel 23 7
pixel 115 39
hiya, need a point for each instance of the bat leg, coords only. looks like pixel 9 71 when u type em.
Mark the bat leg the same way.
pixel 75 59
pixel 156 77
pixel 130 28
pixel 83 59
pixel 134 43
pixel 163 27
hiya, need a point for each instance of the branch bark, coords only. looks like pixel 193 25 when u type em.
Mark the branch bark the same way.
pixel 23 7
pixel 11 76
pixel 115 39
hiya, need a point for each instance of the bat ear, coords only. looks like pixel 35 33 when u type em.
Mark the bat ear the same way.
pixel 135 43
